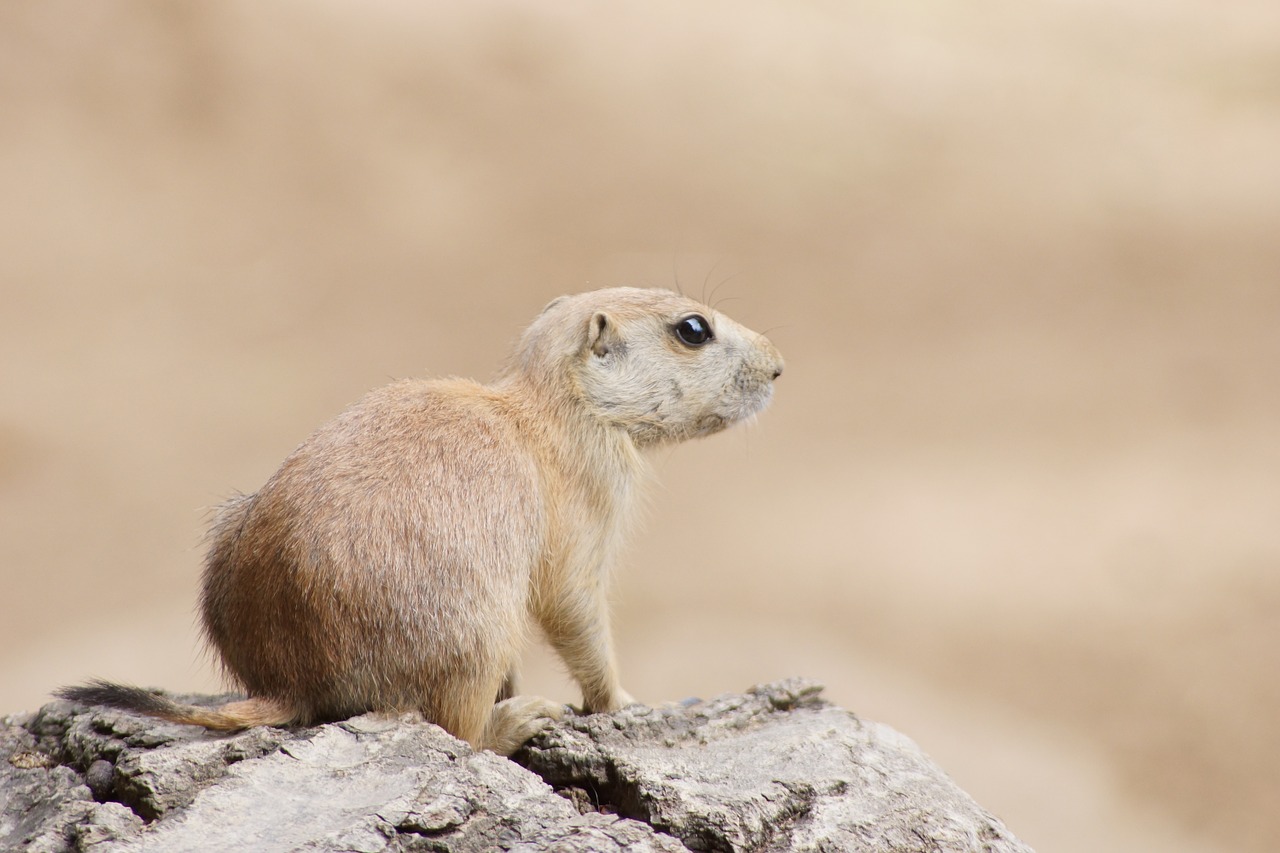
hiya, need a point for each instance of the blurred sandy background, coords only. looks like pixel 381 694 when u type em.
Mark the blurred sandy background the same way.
pixel 1019 492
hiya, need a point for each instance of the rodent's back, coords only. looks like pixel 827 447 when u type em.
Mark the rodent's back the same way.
pixel 390 552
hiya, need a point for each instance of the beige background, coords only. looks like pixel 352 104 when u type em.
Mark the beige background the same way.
pixel 1019 492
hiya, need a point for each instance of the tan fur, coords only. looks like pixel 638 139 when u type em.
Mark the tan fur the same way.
pixel 401 555
pixel 233 715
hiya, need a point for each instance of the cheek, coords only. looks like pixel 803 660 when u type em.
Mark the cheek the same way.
pixel 707 390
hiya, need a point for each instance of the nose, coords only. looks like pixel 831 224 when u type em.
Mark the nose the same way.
pixel 772 354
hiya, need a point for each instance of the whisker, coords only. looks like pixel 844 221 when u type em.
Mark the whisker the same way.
pixel 707 278
pixel 722 283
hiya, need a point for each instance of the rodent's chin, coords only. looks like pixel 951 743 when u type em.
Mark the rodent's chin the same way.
pixel 741 409
pixel 753 404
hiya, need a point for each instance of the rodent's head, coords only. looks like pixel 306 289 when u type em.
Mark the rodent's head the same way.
pixel 656 364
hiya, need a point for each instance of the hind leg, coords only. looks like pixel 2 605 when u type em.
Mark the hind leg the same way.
pixel 513 721
pixel 461 705
pixel 471 715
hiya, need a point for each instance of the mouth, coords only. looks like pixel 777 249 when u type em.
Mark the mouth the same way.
pixel 747 404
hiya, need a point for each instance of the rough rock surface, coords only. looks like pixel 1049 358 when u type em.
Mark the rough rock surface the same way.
pixel 773 769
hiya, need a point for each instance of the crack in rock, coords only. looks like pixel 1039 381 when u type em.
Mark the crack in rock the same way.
pixel 776 768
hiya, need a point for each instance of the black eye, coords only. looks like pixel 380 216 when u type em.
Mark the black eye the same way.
pixel 693 330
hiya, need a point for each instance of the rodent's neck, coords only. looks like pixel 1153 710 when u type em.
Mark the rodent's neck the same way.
pixel 552 407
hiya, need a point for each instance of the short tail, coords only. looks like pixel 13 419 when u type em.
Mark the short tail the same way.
pixel 230 717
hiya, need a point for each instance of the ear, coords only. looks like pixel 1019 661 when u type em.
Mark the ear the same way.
pixel 553 303
pixel 602 335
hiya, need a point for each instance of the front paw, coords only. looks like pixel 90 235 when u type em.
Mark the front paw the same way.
pixel 616 701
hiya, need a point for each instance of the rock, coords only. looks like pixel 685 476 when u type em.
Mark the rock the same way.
pixel 775 768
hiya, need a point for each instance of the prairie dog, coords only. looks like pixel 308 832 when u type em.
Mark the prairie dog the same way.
pixel 400 556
